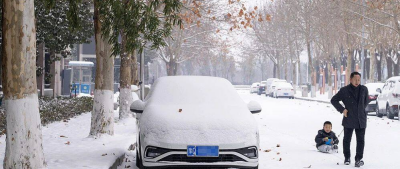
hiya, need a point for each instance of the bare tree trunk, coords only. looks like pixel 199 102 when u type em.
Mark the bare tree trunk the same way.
pixel 125 93
pixel 103 107
pixel 310 65
pixel 275 72
pixel 134 69
pixel 395 66
pixel 379 65
pixel 286 70
pixel 24 148
pixel 349 64
pixel 40 63
pixel 389 66
pixel 55 72
pixel 372 65
pixel 172 67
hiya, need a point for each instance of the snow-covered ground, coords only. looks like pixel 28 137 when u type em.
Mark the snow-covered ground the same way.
pixel 291 124
pixel 67 146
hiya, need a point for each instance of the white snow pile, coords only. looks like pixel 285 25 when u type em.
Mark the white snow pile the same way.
pixel 196 110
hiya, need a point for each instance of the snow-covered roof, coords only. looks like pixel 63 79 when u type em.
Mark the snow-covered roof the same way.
pixel 394 78
pixel 81 63
pixel 284 85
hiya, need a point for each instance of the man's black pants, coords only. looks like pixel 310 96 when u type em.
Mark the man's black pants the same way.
pixel 360 134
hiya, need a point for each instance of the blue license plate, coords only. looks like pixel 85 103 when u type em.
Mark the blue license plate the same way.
pixel 202 151
pixel 285 94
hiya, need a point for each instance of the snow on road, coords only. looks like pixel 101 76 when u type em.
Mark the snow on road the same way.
pixel 291 124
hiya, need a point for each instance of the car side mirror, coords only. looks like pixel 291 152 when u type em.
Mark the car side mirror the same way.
pixel 137 106
pixel 378 90
pixel 254 107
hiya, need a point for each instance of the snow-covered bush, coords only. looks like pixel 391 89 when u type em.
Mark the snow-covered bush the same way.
pixel 56 109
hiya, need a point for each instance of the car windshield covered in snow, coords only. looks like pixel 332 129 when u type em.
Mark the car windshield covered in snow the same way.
pixel 183 90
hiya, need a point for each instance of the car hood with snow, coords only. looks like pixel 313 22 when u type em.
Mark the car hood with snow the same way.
pixel 184 111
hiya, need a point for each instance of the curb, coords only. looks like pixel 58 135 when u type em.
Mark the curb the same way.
pixel 311 100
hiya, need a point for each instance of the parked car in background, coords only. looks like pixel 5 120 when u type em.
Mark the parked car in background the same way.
pixel 268 86
pixel 254 88
pixel 273 85
pixel 210 126
pixel 388 100
pixel 261 89
pixel 283 90
pixel 373 95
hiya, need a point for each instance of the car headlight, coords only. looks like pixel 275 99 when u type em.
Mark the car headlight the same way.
pixel 250 152
pixel 152 152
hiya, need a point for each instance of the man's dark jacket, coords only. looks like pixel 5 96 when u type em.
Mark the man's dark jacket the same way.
pixel 322 134
pixel 356 116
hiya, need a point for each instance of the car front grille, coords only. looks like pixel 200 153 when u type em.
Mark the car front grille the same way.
pixel 185 158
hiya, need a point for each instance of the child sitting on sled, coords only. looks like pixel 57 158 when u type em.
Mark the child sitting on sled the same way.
pixel 326 139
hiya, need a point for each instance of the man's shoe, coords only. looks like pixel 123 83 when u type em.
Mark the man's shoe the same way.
pixel 347 161
pixel 359 163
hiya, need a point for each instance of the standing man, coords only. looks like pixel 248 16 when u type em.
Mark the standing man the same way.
pixel 355 99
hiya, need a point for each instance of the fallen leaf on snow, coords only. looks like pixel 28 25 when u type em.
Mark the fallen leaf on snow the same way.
pixel 278 145
pixel 128 166
pixel 180 110
pixel 308 167
pixel 278 153
pixel 280 159
pixel 132 147
pixel 267 150
pixel 104 154
pixel 63 136
pixel 68 143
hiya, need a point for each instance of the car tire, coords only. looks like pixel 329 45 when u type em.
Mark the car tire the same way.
pixel 138 161
pixel 389 113
pixel 378 114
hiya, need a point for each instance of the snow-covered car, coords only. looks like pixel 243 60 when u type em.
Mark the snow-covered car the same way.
pixel 261 88
pixel 191 121
pixel 274 83
pixel 268 85
pixel 254 88
pixel 388 100
pixel 284 90
pixel 373 95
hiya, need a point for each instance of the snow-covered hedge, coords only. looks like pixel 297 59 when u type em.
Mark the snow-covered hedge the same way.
pixel 56 109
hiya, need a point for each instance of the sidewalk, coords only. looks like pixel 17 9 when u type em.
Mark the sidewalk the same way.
pixel 319 98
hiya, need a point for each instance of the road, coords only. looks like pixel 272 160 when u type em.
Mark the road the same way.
pixel 293 124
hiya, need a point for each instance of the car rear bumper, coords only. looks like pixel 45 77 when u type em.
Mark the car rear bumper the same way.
pixel 285 94
pixel 178 159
